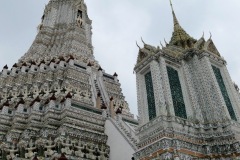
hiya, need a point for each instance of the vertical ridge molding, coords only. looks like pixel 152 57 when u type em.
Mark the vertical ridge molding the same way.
pixel 166 88
pixel 158 88
pixel 196 110
pixel 224 92
pixel 233 94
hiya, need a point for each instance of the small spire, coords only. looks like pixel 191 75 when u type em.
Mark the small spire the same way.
pixel 143 41
pixel 119 110
pixel 69 95
pixel 5 67
pixel 161 44
pixel 210 35
pixel 165 42
pixel 180 37
pixel 89 64
pixel 15 65
pixel 203 35
pixel 138 45
pixel 100 68
pixel 175 21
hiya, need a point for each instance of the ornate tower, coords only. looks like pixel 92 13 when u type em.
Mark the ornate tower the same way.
pixel 65 29
pixel 57 99
pixel 188 105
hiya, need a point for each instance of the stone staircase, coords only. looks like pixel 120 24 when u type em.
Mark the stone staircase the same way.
pixel 98 92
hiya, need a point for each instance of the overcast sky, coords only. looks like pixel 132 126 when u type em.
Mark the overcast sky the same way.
pixel 117 24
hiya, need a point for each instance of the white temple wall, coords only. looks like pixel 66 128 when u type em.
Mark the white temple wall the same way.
pixel 120 149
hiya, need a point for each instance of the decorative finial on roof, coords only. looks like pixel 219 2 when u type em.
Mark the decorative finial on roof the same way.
pixel 143 40
pixel 161 44
pixel 5 67
pixel 89 64
pixel 119 110
pixel 69 95
pixel 210 35
pixel 15 65
pixel 175 21
pixel 203 35
pixel 138 45
pixel 100 68
pixel 165 42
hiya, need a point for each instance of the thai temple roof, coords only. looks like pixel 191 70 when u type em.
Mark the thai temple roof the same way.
pixel 180 44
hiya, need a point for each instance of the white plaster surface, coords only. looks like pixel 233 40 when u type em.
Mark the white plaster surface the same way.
pixel 120 148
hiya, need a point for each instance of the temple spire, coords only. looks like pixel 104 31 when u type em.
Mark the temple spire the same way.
pixel 175 21
pixel 180 37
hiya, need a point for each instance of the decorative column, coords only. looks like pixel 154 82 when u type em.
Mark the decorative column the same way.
pixel 141 99
pixel 195 109
pixel 160 102
pixel 166 87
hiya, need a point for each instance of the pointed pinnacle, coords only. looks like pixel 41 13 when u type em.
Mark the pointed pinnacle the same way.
pixel 143 40
pixel 210 35
pixel 203 35
pixel 161 44
pixel 138 45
